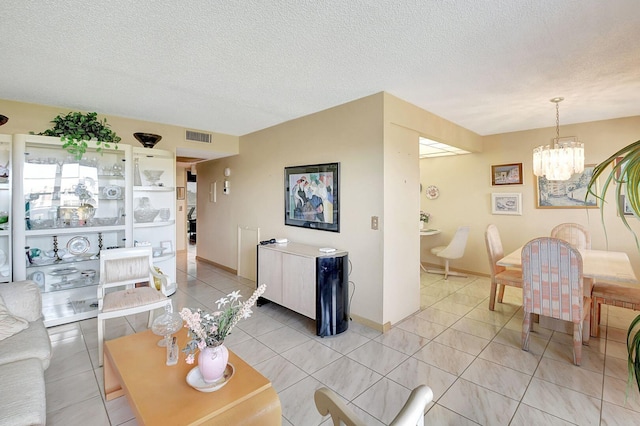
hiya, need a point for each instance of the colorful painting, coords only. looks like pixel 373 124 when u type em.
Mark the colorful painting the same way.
pixel 311 197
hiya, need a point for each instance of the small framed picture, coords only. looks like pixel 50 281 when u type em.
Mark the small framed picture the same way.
pixel 180 194
pixel 628 211
pixel 506 174
pixel 509 204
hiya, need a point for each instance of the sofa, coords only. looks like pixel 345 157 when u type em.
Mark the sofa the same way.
pixel 25 353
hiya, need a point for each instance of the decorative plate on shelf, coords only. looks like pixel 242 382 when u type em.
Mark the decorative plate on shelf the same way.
pixel 78 245
pixel 432 192
pixel 112 192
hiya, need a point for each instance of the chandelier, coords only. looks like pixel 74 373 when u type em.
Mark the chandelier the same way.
pixel 563 159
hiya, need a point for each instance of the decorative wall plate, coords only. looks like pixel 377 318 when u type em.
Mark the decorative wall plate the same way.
pixel 78 245
pixel 432 192
pixel 112 192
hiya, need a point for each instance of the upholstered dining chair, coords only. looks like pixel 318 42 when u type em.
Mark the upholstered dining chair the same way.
pixel 500 276
pixel 455 250
pixel 613 295
pixel 130 269
pixel 552 286
pixel 411 414
pixel 574 233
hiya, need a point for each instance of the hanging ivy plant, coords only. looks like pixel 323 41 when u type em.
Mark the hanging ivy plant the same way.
pixel 77 129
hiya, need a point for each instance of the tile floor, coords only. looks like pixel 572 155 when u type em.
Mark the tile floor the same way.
pixel 469 356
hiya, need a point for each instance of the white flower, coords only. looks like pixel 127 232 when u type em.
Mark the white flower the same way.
pixel 222 301
pixel 235 295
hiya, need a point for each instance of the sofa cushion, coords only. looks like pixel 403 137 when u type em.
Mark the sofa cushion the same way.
pixel 32 342
pixel 22 393
pixel 23 299
pixel 10 324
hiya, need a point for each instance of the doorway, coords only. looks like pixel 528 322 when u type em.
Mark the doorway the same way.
pixel 192 198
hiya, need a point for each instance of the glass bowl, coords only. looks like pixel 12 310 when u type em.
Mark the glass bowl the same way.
pixel 145 215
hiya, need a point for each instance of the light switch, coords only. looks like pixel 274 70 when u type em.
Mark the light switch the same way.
pixel 374 223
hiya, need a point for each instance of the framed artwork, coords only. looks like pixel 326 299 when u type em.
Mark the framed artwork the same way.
pixel 312 196
pixel 628 211
pixel 504 203
pixel 506 174
pixel 566 194
pixel 180 194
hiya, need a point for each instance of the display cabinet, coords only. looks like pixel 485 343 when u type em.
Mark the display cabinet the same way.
pixel 64 212
pixel 5 209
pixel 154 203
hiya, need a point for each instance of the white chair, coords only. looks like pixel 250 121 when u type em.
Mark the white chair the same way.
pixel 411 414
pixel 455 250
pixel 128 267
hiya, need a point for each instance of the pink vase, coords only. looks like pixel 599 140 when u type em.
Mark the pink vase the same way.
pixel 212 361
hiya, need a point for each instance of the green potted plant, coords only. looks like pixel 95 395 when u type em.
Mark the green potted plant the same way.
pixel 76 129
pixel 625 172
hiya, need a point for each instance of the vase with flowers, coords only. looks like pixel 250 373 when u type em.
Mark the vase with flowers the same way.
pixel 207 332
pixel 424 218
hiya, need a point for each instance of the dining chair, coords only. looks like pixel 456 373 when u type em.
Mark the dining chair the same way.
pixel 612 294
pixel 127 286
pixel 552 286
pixel 411 414
pixel 455 250
pixel 500 275
pixel 574 233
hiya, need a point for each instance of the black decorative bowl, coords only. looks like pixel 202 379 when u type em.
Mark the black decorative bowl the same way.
pixel 3 119
pixel 148 140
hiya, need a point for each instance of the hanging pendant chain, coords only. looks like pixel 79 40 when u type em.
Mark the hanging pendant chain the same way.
pixel 557 122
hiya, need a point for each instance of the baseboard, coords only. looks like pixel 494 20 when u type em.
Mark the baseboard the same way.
pixel 428 265
pixel 371 324
pixel 217 265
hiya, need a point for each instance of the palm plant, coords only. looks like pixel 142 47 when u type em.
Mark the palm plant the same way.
pixel 625 172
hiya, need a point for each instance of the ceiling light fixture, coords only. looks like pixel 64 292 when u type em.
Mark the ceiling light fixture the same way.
pixel 562 160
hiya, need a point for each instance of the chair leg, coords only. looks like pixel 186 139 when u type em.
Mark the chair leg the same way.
pixel 501 293
pixel 446 269
pixel 577 343
pixel 595 317
pixel 586 323
pixel 492 296
pixel 150 321
pixel 100 342
pixel 526 329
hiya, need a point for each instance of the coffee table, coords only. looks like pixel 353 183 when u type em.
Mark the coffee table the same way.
pixel 135 366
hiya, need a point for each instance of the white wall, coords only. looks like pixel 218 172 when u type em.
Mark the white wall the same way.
pixel 350 134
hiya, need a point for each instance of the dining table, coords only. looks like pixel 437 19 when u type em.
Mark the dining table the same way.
pixel 596 264
pixel 613 267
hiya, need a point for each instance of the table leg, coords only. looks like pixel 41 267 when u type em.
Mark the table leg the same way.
pixel 112 388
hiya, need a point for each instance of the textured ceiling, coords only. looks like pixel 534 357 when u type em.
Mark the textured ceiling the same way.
pixel 239 66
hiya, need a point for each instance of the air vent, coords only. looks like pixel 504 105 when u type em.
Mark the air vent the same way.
pixel 198 136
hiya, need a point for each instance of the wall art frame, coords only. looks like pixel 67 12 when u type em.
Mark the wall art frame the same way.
pixel 506 203
pixel 312 196
pixel 506 174
pixel 566 194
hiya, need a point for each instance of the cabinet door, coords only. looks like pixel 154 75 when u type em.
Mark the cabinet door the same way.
pixel 299 284
pixel 270 273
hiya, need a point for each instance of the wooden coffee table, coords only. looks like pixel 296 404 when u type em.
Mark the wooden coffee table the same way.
pixel 135 366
